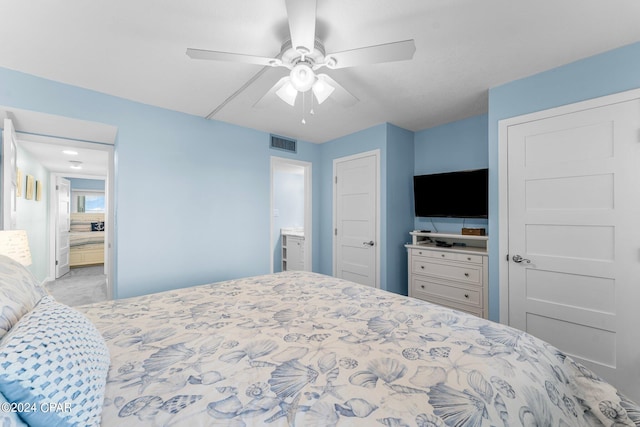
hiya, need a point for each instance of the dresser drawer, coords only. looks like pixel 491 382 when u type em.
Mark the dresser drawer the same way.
pixel 460 272
pixel 450 256
pixel 475 311
pixel 423 288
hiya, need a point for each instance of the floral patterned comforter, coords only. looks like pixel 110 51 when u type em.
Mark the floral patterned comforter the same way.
pixel 302 349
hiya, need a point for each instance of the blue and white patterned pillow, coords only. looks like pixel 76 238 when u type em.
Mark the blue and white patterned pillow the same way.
pixel 55 356
pixel 19 292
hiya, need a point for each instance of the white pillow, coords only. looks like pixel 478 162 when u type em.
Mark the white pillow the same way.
pixel 19 292
pixel 55 356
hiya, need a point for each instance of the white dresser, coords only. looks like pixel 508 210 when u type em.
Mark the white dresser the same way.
pixel 292 249
pixel 454 276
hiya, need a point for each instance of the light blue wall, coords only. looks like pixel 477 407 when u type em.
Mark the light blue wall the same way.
pixel 32 215
pixel 399 207
pixel 611 72
pixel 191 195
pixel 86 184
pixel 451 147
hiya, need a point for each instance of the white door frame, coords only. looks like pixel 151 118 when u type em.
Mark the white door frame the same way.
pixel 376 154
pixel 8 166
pixel 503 184
pixel 308 206
pixel 109 262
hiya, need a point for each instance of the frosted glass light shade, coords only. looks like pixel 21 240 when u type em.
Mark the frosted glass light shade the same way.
pixel 322 90
pixel 15 245
pixel 288 93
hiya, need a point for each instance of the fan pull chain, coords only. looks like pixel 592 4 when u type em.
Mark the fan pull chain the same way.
pixel 304 122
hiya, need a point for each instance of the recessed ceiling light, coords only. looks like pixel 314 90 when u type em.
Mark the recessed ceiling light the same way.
pixel 75 164
pixel 70 152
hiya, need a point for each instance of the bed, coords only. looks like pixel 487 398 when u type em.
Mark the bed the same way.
pixel 86 239
pixel 303 349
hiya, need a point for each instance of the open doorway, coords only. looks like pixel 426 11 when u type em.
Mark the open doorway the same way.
pixel 291 222
pixel 77 235
pixel 42 140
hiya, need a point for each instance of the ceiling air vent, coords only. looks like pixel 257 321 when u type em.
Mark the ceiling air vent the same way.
pixel 284 144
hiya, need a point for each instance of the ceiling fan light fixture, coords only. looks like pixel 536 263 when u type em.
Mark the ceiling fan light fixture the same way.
pixel 302 77
pixel 288 93
pixel 303 54
pixel 322 90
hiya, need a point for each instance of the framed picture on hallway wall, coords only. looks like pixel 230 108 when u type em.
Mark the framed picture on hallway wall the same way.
pixel 38 191
pixel 30 187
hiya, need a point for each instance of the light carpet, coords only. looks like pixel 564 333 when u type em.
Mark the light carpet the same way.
pixel 82 285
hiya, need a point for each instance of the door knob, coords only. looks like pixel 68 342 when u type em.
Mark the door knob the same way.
pixel 518 259
pixel 369 243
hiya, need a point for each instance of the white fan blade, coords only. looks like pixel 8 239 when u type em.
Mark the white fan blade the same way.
pixel 268 97
pixel 302 23
pixel 340 94
pixel 388 52
pixel 231 57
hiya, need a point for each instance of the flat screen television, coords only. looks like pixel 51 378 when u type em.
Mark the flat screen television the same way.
pixel 462 194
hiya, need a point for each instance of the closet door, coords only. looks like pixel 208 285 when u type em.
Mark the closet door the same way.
pixel 356 218
pixel 574 241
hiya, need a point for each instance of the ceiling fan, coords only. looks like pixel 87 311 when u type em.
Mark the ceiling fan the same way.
pixel 303 55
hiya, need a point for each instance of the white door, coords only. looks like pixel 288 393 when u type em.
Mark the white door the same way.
pixel 356 218
pixel 63 225
pixel 9 176
pixel 574 239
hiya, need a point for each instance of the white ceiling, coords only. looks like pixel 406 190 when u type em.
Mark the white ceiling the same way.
pixel 93 163
pixel 47 136
pixel 136 50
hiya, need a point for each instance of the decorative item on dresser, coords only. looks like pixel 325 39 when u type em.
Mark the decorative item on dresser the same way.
pixel 450 270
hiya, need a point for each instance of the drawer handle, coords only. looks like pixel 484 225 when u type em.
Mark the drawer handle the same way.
pixel 419 252
pixel 468 258
pixel 466 274
pixel 422 267
pixel 466 295
pixel 442 255
pixel 422 286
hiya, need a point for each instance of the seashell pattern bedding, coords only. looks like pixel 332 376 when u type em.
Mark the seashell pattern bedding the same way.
pixel 303 349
